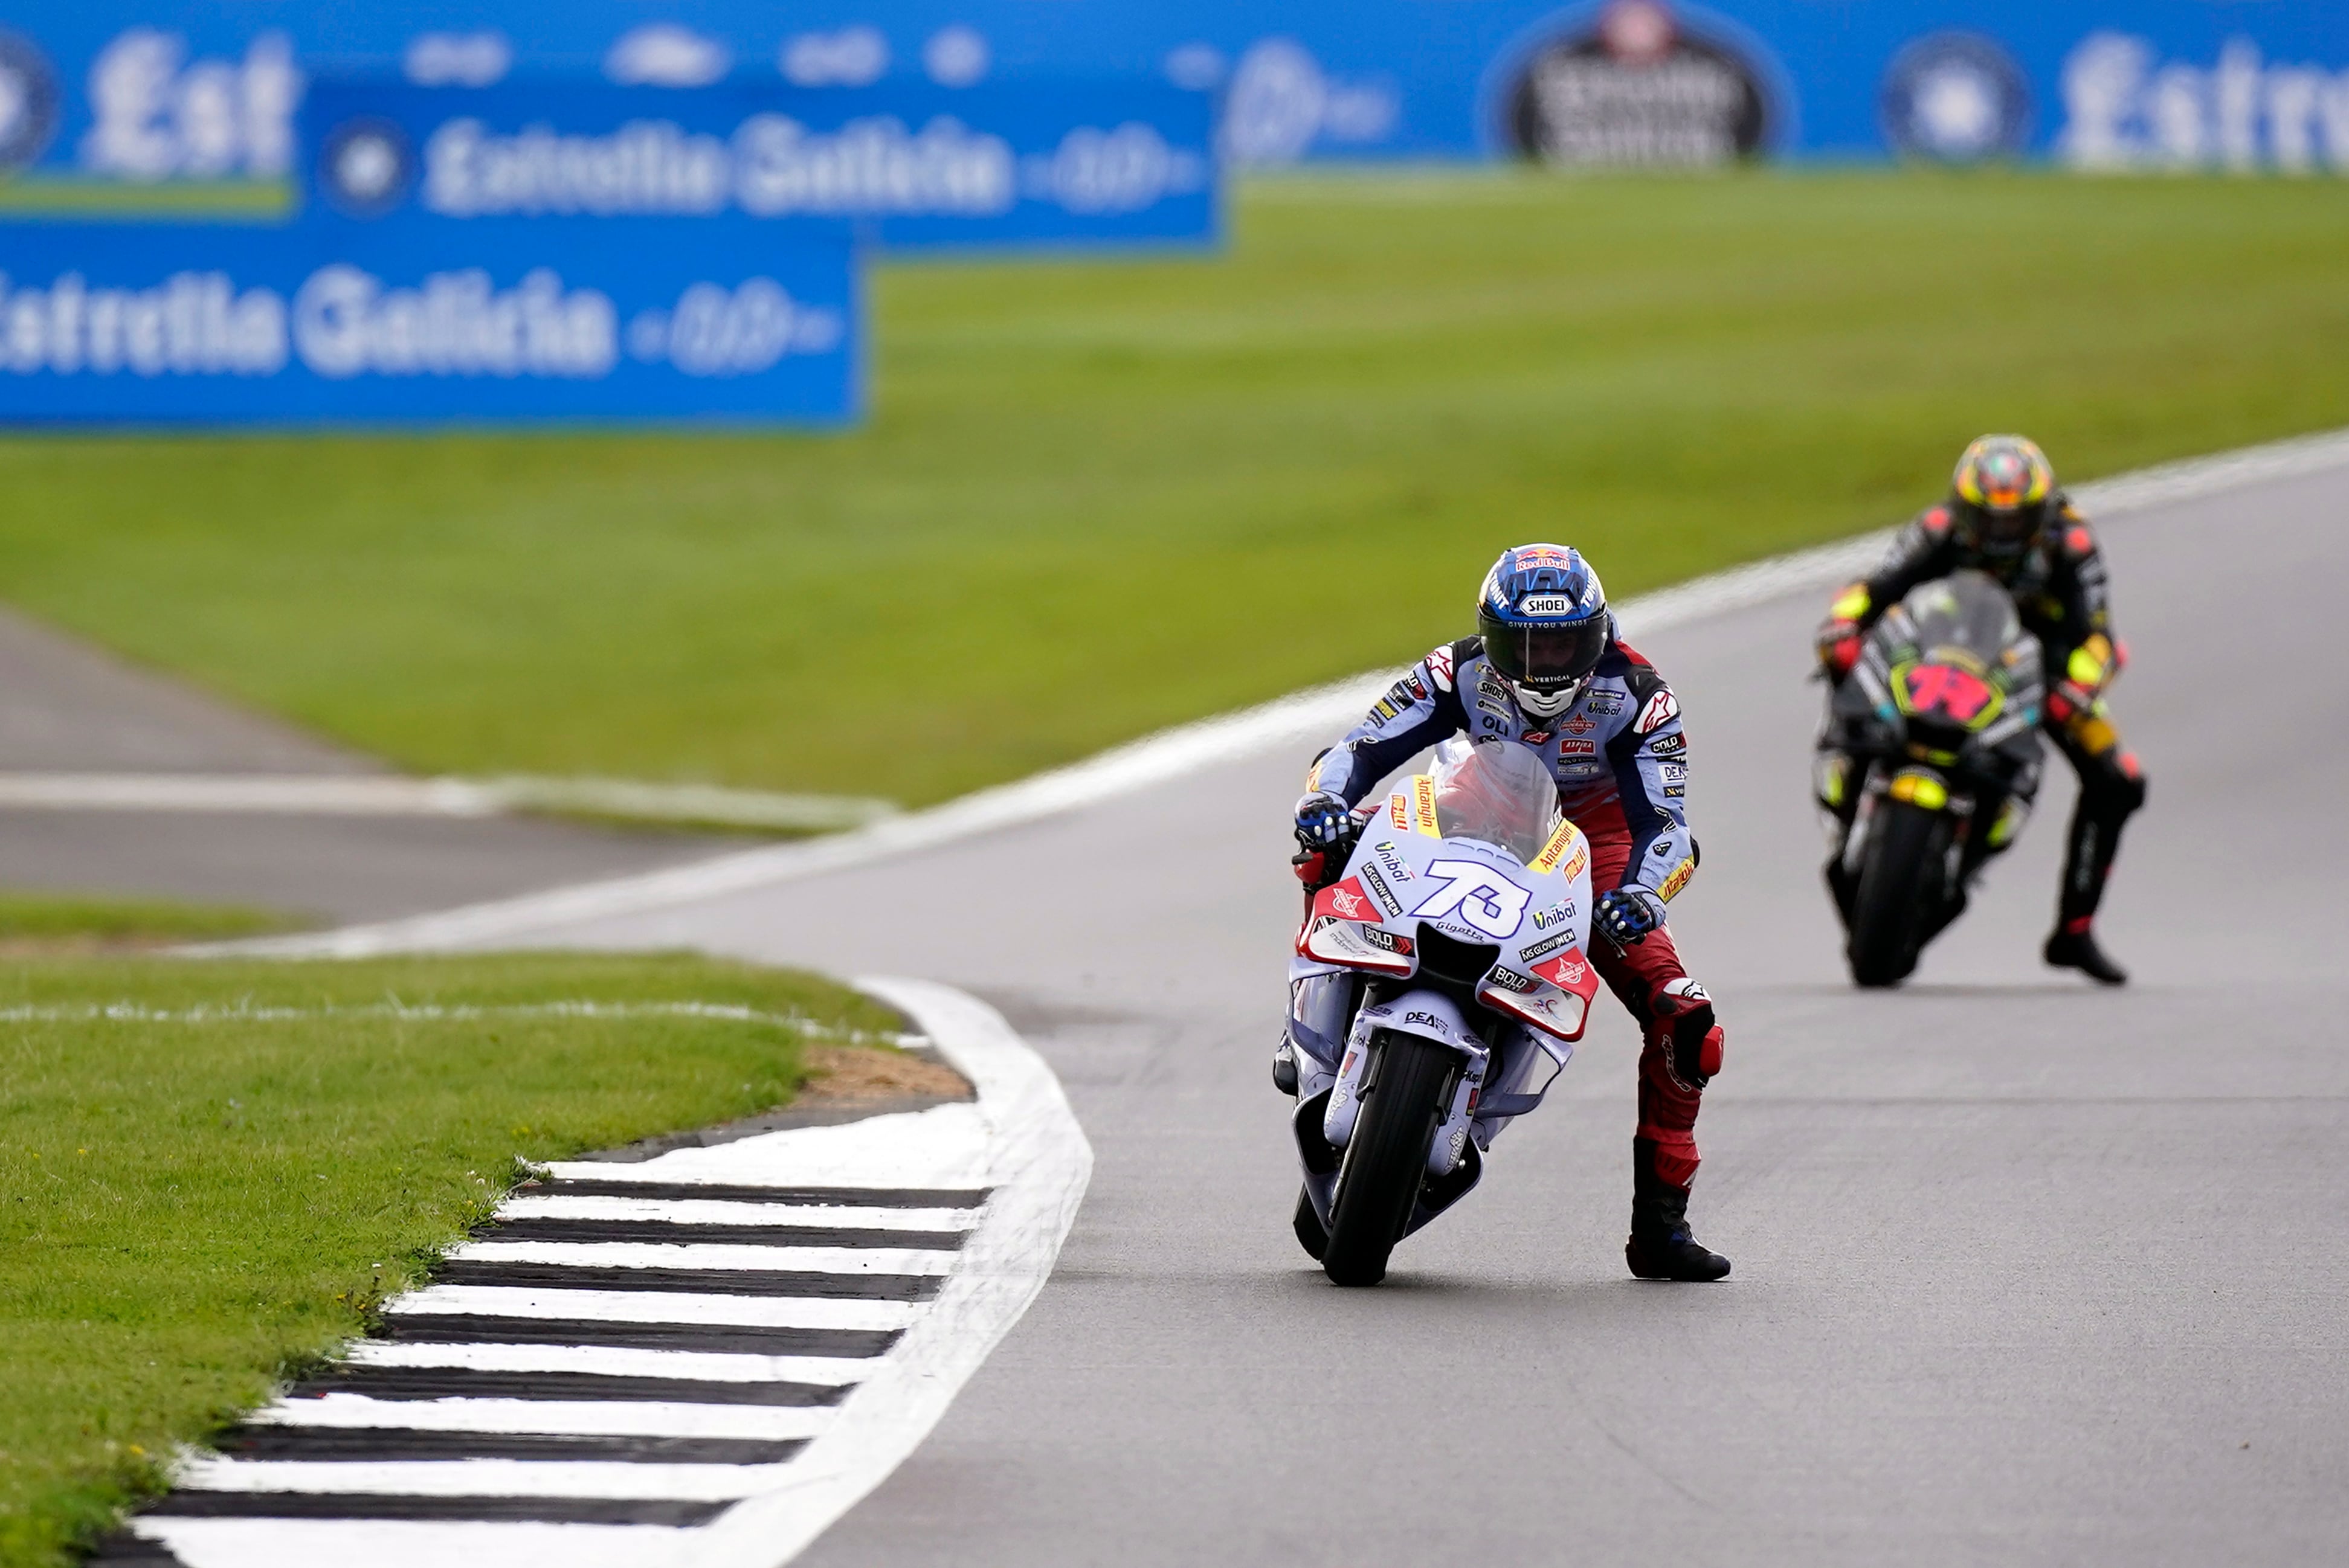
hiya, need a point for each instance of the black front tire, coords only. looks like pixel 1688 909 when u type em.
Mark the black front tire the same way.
pixel 1901 891
pixel 1405 1097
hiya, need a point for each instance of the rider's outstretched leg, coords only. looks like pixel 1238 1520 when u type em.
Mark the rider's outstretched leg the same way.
pixel 1681 1049
pixel 2111 790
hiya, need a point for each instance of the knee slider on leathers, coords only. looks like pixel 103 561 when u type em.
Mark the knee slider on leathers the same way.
pixel 1694 1043
pixel 2113 786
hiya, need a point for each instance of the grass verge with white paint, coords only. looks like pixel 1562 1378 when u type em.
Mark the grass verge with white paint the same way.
pixel 222 1168
pixel 534 1432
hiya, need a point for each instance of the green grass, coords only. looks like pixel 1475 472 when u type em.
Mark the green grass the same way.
pixel 193 1206
pixel 32 920
pixel 240 200
pixel 1102 495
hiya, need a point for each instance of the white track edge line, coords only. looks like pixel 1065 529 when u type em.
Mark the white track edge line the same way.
pixel 1174 753
pixel 1039 1164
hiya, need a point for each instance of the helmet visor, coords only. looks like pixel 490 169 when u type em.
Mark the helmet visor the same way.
pixel 1553 654
pixel 2007 527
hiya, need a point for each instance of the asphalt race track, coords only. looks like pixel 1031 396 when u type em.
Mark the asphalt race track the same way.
pixel 2026 1271
pixel 65 708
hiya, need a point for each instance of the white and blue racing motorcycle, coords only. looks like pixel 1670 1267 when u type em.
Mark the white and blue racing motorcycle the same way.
pixel 1454 944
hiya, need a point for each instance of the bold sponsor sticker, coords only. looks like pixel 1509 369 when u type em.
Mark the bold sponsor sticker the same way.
pixel 1661 709
pixel 1668 745
pixel 1510 980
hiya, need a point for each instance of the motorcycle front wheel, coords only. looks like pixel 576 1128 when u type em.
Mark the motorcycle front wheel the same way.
pixel 1405 1098
pixel 1900 893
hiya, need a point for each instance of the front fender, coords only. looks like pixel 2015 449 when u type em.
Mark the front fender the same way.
pixel 1428 1014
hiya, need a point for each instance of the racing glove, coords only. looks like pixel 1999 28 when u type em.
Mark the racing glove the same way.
pixel 1325 839
pixel 2069 700
pixel 1839 636
pixel 2087 672
pixel 1627 914
pixel 1838 647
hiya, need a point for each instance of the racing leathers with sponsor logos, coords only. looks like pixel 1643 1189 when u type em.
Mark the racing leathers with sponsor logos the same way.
pixel 2057 577
pixel 1620 757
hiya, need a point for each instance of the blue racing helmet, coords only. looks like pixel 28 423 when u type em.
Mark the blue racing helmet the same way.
pixel 1544 617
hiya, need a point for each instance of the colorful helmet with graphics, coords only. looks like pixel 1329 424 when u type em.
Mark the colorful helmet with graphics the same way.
pixel 1544 617
pixel 2004 491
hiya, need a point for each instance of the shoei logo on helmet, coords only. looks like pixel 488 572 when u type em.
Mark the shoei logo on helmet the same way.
pixel 1547 605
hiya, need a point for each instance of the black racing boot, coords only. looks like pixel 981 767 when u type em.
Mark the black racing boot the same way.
pixel 2069 949
pixel 1660 1246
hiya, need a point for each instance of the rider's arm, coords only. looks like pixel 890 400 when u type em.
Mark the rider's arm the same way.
pixel 1417 711
pixel 2092 655
pixel 1649 757
pixel 1920 550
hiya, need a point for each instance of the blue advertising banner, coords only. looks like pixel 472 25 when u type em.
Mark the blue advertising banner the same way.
pixel 498 321
pixel 912 164
pixel 137 91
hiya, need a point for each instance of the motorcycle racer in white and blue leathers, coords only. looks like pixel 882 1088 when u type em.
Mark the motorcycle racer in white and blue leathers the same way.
pixel 1547 670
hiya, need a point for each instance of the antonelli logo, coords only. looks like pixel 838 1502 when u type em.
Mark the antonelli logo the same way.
pixel 1955 98
pixel 1640 87
pixel 29 102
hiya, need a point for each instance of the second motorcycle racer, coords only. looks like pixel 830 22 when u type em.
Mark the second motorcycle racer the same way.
pixel 1548 671
pixel 2005 516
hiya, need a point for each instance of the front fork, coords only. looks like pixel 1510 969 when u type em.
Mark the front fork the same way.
pixel 1357 1073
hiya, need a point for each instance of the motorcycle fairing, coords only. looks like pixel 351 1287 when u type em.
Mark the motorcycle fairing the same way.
pixel 1537 913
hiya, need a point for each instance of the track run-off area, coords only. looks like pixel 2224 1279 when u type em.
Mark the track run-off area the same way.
pixel 2026 1272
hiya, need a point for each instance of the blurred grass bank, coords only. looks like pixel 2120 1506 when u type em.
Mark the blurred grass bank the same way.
pixel 1104 495
pixel 211 1171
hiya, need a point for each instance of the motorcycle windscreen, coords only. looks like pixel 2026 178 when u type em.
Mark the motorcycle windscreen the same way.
pixel 1967 612
pixel 1498 793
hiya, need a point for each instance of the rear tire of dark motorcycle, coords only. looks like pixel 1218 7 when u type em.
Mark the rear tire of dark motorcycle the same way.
pixel 1899 887
pixel 1386 1159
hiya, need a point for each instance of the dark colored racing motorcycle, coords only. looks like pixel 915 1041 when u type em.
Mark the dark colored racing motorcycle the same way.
pixel 1928 764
